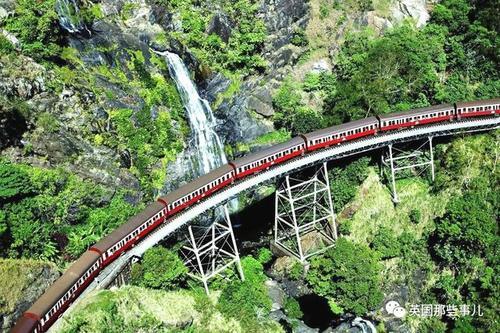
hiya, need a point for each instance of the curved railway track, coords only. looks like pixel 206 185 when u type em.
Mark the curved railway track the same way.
pixel 92 276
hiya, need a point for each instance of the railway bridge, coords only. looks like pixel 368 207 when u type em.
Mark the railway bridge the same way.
pixel 108 275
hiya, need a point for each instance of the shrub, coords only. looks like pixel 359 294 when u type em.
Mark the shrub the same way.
pixel 386 243
pixel 415 216
pixel 296 271
pixel 6 46
pixel 345 181
pixel 299 37
pixel 160 268
pixel 14 182
pixel 292 308
pixel 36 24
pixel 264 256
pixel 242 300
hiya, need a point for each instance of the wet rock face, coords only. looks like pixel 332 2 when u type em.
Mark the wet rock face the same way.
pixel 279 14
pixel 221 26
pixel 236 122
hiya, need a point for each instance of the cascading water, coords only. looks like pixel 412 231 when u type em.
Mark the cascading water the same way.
pixel 69 16
pixel 209 152
pixel 365 325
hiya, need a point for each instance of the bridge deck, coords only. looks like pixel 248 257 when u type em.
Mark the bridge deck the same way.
pixel 346 149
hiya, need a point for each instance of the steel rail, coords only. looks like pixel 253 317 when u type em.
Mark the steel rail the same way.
pixel 339 151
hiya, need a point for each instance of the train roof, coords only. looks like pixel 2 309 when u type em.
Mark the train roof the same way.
pixel 340 128
pixel 63 284
pixel 479 103
pixel 197 183
pixel 118 234
pixel 426 110
pixel 247 159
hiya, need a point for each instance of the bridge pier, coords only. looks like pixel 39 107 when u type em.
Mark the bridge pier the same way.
pixel 211 250
pixel 304 217
pixel 397 160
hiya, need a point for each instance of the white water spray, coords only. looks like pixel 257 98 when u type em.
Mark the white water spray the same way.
pixel 209 150
pixel 365 325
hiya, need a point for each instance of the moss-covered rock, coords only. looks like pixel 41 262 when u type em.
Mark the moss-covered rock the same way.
pixel 21 283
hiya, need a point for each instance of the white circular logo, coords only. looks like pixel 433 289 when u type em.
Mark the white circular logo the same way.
pixel 390 306
pixel 399 312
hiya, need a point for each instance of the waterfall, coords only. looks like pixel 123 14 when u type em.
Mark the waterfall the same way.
pixel 69 16
pixel 365 325
pixel 207 146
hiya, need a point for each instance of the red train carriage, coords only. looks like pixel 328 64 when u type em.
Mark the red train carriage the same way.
pixel 393 121
pixel 337 134
pixel 478 108
pixel 267 157
pixel 198 188
pixel 60 295
pixel 127 234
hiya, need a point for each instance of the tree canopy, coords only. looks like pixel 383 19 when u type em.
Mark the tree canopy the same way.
pixel 349 274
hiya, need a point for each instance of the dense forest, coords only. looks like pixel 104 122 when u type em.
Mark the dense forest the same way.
pixel 65 100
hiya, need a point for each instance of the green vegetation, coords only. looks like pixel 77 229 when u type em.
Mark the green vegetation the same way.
pixel 292 308
pixel 147 135
pixel 53 214
pixel 17 278
pixel 345 181
pixel 386 243
pixel 264 256
pixel 466 245
pixel 296 271
pixel 241 52
pixel 440 240
pixel 6 46
pixel 160 268
pixel 348 274
pixel 451 59
pixel 291 113
pixel 243 300
pixel 36 24
pixel 135 309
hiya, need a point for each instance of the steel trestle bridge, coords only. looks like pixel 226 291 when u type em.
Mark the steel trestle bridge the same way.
pixel 108 274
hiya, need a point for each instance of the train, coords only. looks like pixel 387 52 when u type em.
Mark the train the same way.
pixel 59 296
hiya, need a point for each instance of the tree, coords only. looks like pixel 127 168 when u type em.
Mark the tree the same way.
pixel 345 181
pixel 386 243
pixel 292 308
pixel 160 268
pixel 3 224
pixel 349 274
pixel 467 230
pixel 244 299
pixel 400 67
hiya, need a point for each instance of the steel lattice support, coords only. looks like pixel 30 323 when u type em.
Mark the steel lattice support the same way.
pixel 304 218
pixel 417 161
pixel 211 250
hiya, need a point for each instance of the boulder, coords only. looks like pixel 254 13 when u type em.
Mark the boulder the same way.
pixel 280 14
pixel 261 102
pixel 236 124
pixel 276 294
